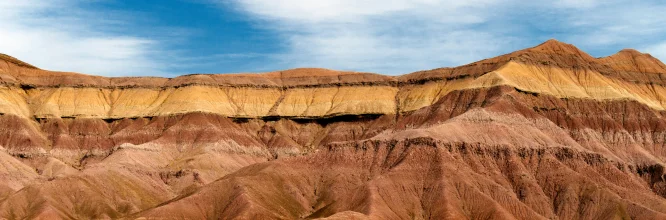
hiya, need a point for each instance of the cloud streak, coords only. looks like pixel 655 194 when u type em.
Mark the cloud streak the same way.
pixel 380 36
pixel 396 37
pixel 383 36
pixel 62 35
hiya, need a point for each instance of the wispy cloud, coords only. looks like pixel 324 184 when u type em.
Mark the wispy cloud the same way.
pixel 62 35
pixel 383 36
pixel 657 50
pixel 377 35
pixel 398 36
pixel 616 23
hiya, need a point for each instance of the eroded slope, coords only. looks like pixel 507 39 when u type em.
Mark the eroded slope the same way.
pixel 545 132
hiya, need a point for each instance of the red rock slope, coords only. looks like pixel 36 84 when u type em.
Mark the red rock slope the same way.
pixel 548 132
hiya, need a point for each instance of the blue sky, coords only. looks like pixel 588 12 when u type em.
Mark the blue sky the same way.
pixel 174 37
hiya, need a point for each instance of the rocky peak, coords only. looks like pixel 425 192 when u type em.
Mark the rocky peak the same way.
pixel 12 60
pixel 634 61
pixel 555 46
pixel 554 52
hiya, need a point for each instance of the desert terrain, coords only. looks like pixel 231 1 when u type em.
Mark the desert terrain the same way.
pixel 547 132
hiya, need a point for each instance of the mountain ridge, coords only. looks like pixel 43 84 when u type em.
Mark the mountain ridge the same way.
pixel 547 132
pixel 551 46
pixel 544 69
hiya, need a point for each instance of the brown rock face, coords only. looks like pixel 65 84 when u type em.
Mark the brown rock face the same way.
pixel 548 132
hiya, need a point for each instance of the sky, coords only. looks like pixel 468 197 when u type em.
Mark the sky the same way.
pixel 174 37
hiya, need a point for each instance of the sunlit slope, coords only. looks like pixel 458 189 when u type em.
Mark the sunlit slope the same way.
pixel 548 132
pixel 552 68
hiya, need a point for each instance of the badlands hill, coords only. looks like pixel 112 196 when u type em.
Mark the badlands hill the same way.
pixel 548 132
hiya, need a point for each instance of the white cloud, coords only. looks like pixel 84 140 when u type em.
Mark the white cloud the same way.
pixel 352 11
pixel 577 4
pixel 378 35
pixel 657 50
pixel 384 36
pixel 60 35
pixel 400 36
pixel 614 23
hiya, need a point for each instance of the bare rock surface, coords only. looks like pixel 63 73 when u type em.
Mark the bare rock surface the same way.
pixel 547 132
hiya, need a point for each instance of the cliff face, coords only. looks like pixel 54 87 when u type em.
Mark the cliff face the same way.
pixel 545 132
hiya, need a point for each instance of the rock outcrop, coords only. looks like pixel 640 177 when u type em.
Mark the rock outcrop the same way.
pixel 548 132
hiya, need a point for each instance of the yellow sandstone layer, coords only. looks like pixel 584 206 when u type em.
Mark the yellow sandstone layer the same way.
pixel 236 102
pixel 552 68
pixel 555 81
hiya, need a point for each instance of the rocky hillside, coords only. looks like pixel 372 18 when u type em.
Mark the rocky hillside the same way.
pixel 547 132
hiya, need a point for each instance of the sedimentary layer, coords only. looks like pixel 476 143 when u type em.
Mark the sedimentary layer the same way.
pixel 543 133
pixel 552 68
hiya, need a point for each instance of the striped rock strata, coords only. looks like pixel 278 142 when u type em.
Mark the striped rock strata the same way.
pixel 543 133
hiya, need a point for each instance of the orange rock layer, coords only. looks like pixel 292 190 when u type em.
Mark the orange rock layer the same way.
pixel 548 132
